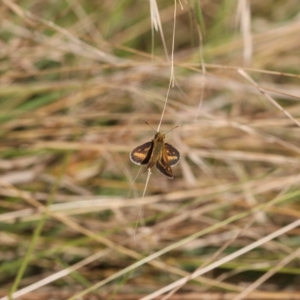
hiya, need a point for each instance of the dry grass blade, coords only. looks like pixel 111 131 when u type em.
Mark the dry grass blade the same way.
pixel 243 73
pixel 266 276
pixel 224 260
pixel 57 275
pixel 244 17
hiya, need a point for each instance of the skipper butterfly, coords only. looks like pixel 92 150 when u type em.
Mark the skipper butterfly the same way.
pixel 158 153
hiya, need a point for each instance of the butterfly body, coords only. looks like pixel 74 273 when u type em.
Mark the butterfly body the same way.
pixel 158 153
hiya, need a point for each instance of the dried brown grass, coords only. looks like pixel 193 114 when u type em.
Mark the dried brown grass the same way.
pixel 78 81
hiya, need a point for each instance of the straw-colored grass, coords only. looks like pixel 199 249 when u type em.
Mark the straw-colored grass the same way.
pixel 79 79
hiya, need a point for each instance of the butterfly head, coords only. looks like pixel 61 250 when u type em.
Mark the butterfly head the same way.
pixel 160 137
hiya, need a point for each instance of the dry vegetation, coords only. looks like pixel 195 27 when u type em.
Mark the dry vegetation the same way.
pixel 78 81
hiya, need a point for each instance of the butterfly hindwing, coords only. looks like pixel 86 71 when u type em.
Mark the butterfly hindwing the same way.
pixel 163 165
pixel 141 154
pixel 173 154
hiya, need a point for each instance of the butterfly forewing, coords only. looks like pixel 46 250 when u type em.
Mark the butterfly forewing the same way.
pixel 141 154
pixel 173 154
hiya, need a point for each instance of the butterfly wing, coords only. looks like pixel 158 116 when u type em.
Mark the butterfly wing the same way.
pixel 163 165
pixel 141 154
pixel 173 154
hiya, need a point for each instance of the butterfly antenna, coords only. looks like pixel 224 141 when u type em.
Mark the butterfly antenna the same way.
pixel 172 129
pixel 150 126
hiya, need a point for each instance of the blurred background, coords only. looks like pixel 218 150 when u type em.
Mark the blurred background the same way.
pixel 79 79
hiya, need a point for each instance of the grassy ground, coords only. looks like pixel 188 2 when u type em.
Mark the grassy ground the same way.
pixel 79 79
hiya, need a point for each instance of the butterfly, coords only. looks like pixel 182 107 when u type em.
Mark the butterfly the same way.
pixel 158 153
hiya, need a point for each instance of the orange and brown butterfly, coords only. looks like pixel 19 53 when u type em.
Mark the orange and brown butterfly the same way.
pixel 158 153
